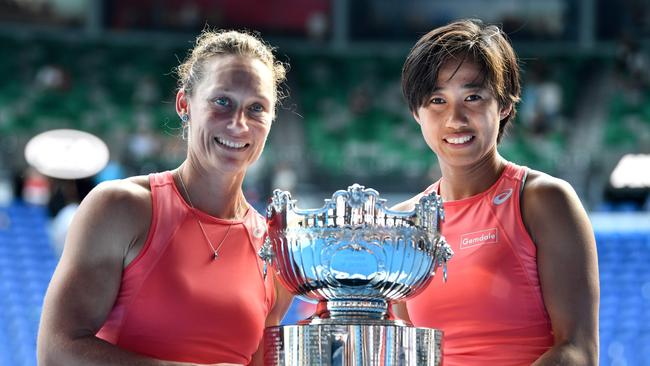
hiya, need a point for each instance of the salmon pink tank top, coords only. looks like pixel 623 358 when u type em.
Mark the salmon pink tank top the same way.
pixel 491 308
pixel 176 303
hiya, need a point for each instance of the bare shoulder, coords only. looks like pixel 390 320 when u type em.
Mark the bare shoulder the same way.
pixel 550 203
pixel 407 205
pixel 130 196
pixel 117 211
pixel 543 191
pixel 133 188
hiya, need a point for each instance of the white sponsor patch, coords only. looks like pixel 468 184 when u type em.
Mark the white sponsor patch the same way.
pixel 488 236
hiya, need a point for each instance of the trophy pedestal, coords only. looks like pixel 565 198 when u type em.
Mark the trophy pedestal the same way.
pixel 335 344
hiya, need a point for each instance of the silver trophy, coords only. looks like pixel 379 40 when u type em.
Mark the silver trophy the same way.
pixel 354 256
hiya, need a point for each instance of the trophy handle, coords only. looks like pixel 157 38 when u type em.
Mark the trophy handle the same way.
pixel 443 254
pixel 266 255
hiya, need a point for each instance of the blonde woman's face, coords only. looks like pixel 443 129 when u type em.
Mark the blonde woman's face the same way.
pixel 231 111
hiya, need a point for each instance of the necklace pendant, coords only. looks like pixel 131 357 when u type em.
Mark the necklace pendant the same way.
pixel 216 256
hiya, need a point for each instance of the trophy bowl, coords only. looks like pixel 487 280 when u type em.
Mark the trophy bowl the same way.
pixel 354 256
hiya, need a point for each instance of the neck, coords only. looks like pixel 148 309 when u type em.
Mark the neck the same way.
pixel 218 195
pixel 466 181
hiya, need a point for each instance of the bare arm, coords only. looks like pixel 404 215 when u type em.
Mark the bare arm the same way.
pixel 283 299
pixel 568 269
pixel 107 231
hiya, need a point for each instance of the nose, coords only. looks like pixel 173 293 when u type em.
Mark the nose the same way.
pixel 239 122
pixel 457 116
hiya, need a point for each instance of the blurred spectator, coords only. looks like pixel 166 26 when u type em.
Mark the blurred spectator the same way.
pixel 172 151
pixel 336 118
pixel 113 170
pixel 6 189
pixel 64 201
pixel 254 183
pixel 284 178
pixel 541 101
pixel 52 77
pixel 143 145
pixel 59 226
pixel 118 140
pixel 633 62
pixel 359 101
pixel 317 26
pixel 146 91
pixel 189 15
pixel 66 191
pixel 35 188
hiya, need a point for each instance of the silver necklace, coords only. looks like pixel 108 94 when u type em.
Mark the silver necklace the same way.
pixel 189 200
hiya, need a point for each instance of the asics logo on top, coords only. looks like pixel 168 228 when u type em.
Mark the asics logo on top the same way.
pixel 502 197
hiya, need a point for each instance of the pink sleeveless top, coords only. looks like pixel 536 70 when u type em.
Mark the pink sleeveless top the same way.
pixel 176 303
pixel 491 308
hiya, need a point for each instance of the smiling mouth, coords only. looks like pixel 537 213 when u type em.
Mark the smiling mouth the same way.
pixel 230 144
pixel 459 140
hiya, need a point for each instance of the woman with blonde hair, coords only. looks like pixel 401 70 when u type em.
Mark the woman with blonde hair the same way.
pixel 163 269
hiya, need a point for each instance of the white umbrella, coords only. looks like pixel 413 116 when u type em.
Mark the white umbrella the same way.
pixel 67 154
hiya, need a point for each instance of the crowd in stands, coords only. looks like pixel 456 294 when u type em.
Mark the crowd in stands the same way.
pixel 344 119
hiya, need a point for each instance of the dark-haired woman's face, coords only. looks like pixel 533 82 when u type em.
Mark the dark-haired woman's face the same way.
pixel 231 110
pixel 460 120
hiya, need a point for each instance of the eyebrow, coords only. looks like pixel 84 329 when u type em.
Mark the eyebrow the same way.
pixel 474 86
pixel 471 85
pixel 217 89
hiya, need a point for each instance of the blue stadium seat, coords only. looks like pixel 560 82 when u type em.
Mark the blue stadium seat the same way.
pixel 625 302
pixel 26 265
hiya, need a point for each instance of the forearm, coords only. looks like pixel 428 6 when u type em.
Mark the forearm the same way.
pixel 569 354
pixel 92 351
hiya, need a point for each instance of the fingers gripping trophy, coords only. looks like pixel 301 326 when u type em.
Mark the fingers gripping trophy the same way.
pixel 354 256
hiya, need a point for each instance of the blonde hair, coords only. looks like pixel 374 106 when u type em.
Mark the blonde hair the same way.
pixel 227 42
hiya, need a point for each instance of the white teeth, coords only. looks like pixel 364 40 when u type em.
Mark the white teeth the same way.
pixel 458 140
pixel 234 145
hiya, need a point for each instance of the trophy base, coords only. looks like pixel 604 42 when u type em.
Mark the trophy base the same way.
pixel 331 344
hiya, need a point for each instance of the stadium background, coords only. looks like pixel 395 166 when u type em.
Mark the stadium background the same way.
pixel 106 67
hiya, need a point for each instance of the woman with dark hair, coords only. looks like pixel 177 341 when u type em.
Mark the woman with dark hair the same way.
pixel 523 283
